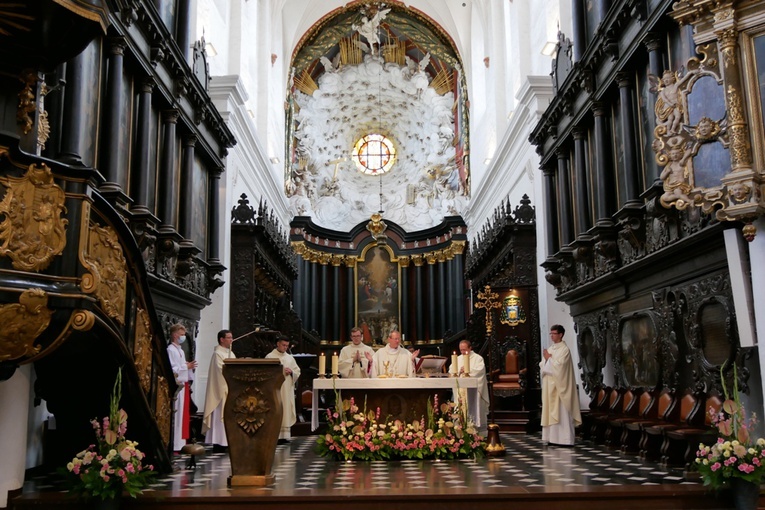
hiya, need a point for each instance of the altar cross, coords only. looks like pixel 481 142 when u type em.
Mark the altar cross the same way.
pixel 488 300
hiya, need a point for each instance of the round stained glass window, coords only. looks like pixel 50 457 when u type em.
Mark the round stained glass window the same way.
pixel 374 154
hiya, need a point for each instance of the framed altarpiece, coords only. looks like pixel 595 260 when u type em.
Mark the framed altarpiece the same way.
pixel 377 293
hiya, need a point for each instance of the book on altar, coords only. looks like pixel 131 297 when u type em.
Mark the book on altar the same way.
pixel 432 364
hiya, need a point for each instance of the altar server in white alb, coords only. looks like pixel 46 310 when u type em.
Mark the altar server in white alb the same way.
pixel 560 399
pixel 398 359
pixel 184 374
pixel 476 368
pixel 354 358
pixel 291 374
pixel 217 390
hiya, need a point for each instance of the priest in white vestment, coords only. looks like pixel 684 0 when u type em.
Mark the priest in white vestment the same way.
pixel 291 374
pixel 398 359
pixel 477 369
pixel 184 373
pixel 217 390
pixel 560 398
pixel 354 358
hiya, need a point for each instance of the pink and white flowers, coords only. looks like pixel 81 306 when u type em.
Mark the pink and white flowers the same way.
pixel 114 463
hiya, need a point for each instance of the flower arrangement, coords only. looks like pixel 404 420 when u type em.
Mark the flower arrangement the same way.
pixel 359 434
pixel 114 463
pixel 735 454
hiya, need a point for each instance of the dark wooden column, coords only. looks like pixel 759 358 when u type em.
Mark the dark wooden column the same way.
pixel 77 95
pixel 336 261
pixel 653 45
pixel 112 165
pixel 443 313
pixel 350 297
pixel 187 199
pixel 629 170
pixel 143 178
pixel 183 28
pixel 419 297
pixel 213 222
pixel 551 211
pixel 565 211
pixel 604 189
pixel 581 183
pixel 168 190
pixel 577 13
pixel 431 260
pixel 603 6
pixel 457 287
pixel 403 262
pixel 323 320
pixel 313 295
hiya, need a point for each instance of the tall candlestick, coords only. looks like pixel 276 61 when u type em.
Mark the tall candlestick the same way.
pixel 335 364
pixel 322 365
pixel 455 364
pixel 466 363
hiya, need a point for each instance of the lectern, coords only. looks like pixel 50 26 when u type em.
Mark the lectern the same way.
pixel 253 417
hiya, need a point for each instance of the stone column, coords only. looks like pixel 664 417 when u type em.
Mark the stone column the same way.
pixel 652 44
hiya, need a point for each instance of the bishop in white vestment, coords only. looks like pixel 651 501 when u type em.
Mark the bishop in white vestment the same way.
pixel 291 374
pixel 398 359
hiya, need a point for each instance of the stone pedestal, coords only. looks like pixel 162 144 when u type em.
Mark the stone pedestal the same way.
pixel 253 417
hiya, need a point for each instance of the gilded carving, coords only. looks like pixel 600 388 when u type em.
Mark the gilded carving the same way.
pixel 350 261
pixel 164 409
pixel 22 324
pixel 27 104
pixel 33 230
pixel 102 255
pixel 250 409
pixel 377 227
pixel 83 320
pixel 142 349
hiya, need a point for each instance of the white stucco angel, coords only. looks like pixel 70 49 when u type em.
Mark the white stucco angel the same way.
pixel 368 29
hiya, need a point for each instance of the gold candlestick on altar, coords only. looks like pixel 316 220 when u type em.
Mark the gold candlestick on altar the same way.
pixel 488 300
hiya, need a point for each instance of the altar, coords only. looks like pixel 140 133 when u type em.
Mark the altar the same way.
pixel 405 399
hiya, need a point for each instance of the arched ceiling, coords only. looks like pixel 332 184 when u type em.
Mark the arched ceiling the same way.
pixel 377 68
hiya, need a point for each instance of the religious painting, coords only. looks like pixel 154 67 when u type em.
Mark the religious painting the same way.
pixel 639 359
pixel 377 294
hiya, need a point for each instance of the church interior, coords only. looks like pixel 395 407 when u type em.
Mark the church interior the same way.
pixel 451 170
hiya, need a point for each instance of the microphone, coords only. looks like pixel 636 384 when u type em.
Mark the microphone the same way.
pixel 256 330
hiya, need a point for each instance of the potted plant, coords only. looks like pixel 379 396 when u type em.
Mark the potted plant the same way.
pixel 736 459
pixel 113 465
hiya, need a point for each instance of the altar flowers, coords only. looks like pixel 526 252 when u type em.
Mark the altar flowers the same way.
pixel 359 434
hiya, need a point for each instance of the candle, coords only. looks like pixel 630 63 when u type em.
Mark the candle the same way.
pixel 322 364
pixel 466 363
pixel 454 362
pixel 335 363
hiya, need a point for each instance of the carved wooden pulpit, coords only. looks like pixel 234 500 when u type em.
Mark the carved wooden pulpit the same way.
pixel 253 418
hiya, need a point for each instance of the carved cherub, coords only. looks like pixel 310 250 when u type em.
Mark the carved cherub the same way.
pixel 669 105
pixel 676 175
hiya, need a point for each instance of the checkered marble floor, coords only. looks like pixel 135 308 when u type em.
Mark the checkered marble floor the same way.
pixel 528 463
